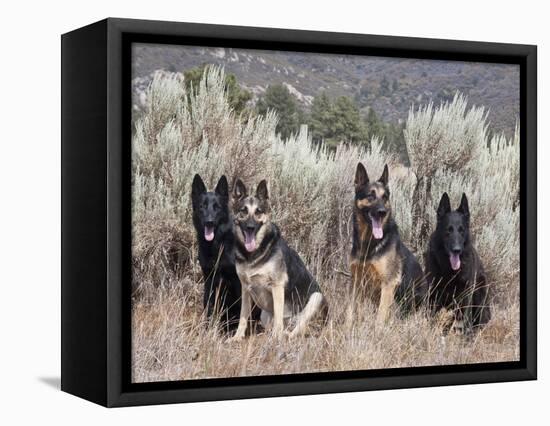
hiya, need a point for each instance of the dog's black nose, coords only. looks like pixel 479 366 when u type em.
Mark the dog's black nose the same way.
pixel 381 212
pixel 250 227
pixel 209 223
pixel 456 251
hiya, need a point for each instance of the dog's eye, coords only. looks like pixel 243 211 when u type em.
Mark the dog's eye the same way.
pixel 259 211
pixel 461 229
pixel 243 210
pixel 216 206
pixel 450 229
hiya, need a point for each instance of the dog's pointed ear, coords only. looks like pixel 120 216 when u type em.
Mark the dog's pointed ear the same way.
pixel 198 187
pixel 444 206
pixel 385 176
pixel 222 188
pixel 463 208
pixel 239 190
pixel 261 190
pixel 361 176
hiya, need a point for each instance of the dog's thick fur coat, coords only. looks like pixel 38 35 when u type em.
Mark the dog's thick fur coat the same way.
pixel 216 241
pixel 272 274
pixel 457 278
pixel 382 267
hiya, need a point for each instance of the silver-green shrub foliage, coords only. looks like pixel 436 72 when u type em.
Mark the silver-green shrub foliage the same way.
pixel 311 188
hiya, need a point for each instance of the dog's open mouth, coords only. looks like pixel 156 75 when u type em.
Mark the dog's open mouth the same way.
pixel 455 261
pixel 208 233
pixel 377 231
pixel 249 240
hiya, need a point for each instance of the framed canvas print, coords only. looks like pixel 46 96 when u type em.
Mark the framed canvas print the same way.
pixel 253 212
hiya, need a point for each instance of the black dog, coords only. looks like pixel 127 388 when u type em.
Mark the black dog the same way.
pixel 458 281
pixel 216 240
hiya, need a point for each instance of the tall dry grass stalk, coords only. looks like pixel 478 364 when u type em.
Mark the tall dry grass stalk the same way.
pixel 311 191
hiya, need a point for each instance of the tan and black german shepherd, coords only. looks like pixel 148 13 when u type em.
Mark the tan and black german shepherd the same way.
pixel 382 267
pixel 272 274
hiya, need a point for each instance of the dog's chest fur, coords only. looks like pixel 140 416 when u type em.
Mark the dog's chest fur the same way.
pixel 372 274
pixel 260 279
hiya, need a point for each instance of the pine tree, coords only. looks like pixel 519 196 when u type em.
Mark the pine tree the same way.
pixel 278 98
pixel 347 123
pixel 375 127
pixel 320 120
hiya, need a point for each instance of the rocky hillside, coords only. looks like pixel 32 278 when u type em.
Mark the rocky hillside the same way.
pixel 389 85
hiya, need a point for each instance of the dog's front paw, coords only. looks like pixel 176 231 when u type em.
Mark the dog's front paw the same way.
pixel 235 339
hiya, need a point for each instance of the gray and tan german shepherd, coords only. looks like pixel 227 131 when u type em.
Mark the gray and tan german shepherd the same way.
pixel 382 267
pixel 272 274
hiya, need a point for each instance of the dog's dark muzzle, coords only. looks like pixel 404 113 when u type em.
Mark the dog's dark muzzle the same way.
pixel 379 212
pixel 209 230
pixel 375 213
pixel 376 216
pixel 455 253
pixel 249 225
pixel 249 229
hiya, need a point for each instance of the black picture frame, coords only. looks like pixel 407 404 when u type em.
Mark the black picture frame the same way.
pixel 96 99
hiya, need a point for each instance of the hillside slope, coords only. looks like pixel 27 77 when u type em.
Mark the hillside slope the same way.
pixel 389 85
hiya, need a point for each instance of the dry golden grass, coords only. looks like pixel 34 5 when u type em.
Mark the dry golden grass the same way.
pixel 172 342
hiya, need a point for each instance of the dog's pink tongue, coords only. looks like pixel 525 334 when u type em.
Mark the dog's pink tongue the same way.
pixel 208 233
pixel 455 261
pixel 377 228
pixel 249 241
